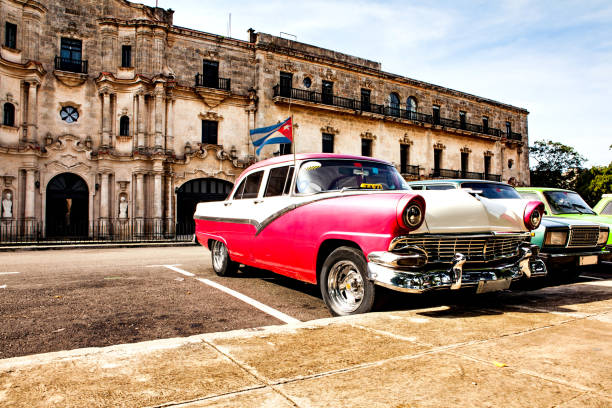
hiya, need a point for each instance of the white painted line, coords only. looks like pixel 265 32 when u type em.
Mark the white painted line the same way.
pixel 267 309
pixel 9 273
pixel 159 266
pixel 179 270
pixel 3 287
pixel 542 310
pixel 591 277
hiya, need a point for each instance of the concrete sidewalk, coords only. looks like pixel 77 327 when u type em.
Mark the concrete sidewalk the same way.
pixel 551 347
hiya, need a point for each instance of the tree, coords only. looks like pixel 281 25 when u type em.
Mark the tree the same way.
pixel 556 165
pixel 591 184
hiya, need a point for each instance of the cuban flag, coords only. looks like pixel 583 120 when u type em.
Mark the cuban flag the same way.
pixel 276 134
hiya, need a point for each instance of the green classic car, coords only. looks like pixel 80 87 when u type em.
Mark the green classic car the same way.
pixel 565 244
pixel 604 206
pixel 567 204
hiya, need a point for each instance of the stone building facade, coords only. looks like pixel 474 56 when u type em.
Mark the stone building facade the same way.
pixel 113 115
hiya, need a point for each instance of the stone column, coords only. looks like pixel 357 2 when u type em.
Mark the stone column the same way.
pixel 141 120
pixel 169 125
pixel 106 119
pixel 140 205
pixel 159 116
pixel 30 195
pixel 32 112
pixel 169 210
pixel 157 204
pixel 103 231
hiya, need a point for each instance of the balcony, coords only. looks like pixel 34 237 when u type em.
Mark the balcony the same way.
pixel 458 174
pixel 446 173
pixel 410 170
pixel 70 65
pixel 514 136
pixel 390 111
pixel 212 82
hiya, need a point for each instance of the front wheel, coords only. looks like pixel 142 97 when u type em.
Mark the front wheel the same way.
pixel 221 262
pixel 345 287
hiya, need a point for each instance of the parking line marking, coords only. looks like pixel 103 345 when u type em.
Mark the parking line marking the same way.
pixel 179 270
pixel 264 308
pixel 9 273
pixel 3 287
pixel 267 309
pixel 591 277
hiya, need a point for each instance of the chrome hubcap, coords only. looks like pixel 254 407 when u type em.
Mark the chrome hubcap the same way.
pixel 345 286
pixel 219 253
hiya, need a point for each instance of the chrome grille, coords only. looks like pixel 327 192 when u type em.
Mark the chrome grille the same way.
pixel 476 248
pixel 581 237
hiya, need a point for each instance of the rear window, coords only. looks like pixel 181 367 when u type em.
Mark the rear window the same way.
pixel 492 190
pixel 440 187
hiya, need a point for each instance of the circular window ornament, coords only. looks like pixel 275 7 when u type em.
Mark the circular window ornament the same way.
pixel 307 82
pixel 69 114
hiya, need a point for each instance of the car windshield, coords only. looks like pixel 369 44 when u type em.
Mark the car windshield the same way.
pixel 317 176
pixel 567 202
pixel 492 190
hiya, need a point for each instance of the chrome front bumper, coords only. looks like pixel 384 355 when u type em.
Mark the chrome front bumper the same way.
pixel 411 272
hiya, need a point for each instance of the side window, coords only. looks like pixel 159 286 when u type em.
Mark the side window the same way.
pixel 249 186
pixel 278 180
pixel 289 180
pixel 440 187
pixel 607 209
pixel 529 196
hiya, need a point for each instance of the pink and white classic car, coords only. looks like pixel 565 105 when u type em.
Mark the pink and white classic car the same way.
pixel 350 223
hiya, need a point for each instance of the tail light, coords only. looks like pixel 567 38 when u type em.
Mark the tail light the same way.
pixel 411 215
pixel 534 211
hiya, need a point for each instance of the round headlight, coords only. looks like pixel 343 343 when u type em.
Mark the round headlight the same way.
pixel 535 218
pixel 413 215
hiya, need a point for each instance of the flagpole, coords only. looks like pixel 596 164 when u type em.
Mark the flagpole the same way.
pixel 292 133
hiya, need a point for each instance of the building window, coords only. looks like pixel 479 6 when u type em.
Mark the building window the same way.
pixel 366 147
pixel 286 83
pixel 307 82
pixel 508 129
pixel 209 132
pixel 485 124
pixel 394 104
pixel 126 56
pixel 464 163
pixel 462 120
pixel 328 143
pixel 436 115
pixel 404 158
pixel 365 99
pixel 210 74
pixel 328 93
pixel 72 50
pixel 487 165
pixel 437 162
pixel 285 148
pixel 9 114
pixel 412 106
pixel 10 35
pixel 124 126
pixel 69 114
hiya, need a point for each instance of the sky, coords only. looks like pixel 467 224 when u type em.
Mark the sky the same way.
pixel 553 58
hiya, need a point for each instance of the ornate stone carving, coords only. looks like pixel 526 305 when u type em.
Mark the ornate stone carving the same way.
pixel 329 75
pixel 214 116
pixel 439 146
pixel 489 153
pixel 367 83
pixel 330 129
pixel 405 140
pixel 289 67
pixel 368 135
pixel 466 149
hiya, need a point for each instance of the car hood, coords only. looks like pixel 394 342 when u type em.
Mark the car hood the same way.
pixel 454 211
pixel 600 219
pixel 563 222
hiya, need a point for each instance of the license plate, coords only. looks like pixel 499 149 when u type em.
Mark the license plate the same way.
pixel 587 260
pixel 493 285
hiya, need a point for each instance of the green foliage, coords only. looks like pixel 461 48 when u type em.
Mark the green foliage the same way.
pixel 592 183
pixel 554 164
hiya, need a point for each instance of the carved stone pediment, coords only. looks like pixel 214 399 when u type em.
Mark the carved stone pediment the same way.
pixel 212 97
pixel 466 149
pixel 439 146
pixel 214 116
pixel 330 129
pixel 489 153
pixel 68 141
pixel 368 135
pixel 406 140
pixel 289 67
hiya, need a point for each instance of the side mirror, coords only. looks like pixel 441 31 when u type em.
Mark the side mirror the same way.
pixel 545 212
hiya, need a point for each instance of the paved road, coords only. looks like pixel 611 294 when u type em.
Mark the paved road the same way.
pixel 58 300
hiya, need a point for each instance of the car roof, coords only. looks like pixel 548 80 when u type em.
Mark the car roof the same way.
pixel 543 189
pixel 455 181
pixel 287 158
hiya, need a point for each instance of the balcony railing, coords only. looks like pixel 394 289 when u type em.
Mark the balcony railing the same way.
pixel 212 82
pixel 472 175
pixel 411 170
pixel 492 177
pixel 514 136
pixel 70 65
pixel 446 173
pixel 392 111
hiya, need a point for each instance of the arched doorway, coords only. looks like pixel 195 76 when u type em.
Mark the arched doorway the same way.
pixel 193 192
pixel 67 206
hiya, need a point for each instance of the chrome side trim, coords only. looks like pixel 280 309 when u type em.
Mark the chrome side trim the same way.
pixel 252 222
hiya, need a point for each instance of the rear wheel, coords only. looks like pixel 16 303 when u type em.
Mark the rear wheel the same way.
pixel 221 262
pixel 345 286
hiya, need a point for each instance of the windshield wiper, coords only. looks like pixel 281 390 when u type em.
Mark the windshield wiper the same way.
pixel 578 206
